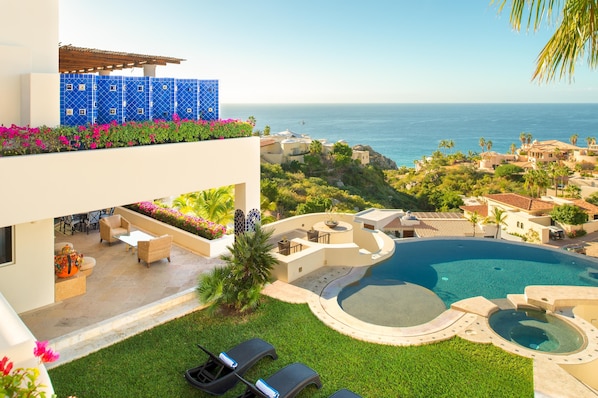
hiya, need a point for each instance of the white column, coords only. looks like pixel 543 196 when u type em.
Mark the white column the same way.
pixel 149 70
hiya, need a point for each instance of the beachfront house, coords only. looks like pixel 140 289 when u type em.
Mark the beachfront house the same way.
pixel 548 151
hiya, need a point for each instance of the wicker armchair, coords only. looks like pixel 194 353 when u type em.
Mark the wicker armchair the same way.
pixel 112 226
pixel 154 249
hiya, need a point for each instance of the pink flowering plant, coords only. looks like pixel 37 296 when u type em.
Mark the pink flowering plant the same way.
pixel 193 224
pixel 22 382
pixel 25 140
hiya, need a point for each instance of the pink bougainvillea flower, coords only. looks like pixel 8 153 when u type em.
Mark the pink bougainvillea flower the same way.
pixel 93 145
pixel 44 353
pixel 5 366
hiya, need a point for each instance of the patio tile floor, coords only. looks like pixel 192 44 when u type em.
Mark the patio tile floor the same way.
pixel 117 285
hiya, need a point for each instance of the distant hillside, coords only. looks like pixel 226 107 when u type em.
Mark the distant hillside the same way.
pixel 331 180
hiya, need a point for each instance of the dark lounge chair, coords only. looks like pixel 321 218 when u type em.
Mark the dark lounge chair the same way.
pixel 216 377
pixel 344 393
pixel 287 382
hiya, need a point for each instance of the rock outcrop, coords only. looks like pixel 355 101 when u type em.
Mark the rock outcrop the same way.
pixel 376 158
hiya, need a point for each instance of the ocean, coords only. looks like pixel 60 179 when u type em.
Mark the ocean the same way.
pixel 407 132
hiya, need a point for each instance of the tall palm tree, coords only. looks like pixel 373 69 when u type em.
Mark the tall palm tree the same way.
pixel 489 145
pixel 482 143
pixel 216 204
pixel 536 181
pixel 522 138
pixel 573 139
pixel 575 35
pixel 497 217
pixel 513 148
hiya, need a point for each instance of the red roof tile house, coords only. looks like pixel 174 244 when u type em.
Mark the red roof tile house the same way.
pixel 525 215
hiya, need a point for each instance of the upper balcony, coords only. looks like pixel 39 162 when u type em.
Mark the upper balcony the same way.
pixel 68 170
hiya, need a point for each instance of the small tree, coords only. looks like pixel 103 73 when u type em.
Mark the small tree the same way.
pixel 238 284
pixel 508 170
pixel 569 215
pixel 474 218
pixel 497 217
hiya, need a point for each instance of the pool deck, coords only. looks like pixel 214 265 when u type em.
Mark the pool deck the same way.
pixel 467 319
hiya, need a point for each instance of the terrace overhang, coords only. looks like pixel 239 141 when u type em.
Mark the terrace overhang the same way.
pixel 89 60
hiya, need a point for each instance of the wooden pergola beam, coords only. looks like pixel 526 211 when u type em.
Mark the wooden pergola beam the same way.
pixel 87 60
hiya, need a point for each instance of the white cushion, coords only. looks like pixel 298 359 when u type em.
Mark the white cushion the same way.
pixel 267 389
pixel 228 361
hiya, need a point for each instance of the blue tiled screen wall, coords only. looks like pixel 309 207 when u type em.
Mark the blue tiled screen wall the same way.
pixel 86 98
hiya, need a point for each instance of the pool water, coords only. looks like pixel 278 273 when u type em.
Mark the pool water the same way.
pixel 456 269
pixel 536 331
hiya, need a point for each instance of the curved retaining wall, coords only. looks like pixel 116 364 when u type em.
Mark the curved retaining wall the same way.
pixel 368 247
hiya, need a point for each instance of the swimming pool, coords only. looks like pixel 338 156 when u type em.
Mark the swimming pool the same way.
pixel 456 269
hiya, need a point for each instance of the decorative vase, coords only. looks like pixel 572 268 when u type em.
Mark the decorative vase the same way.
pixel 331 224
pixel 66 265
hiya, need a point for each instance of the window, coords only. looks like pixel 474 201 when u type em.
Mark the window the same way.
pixel 113 111
pixel 81 87
pixel 69 112
pixel 113 87
pixel 140 88
pixel 69 87
pixel 140 111
pixel 82 112
pixel 189 110
pixel 5 245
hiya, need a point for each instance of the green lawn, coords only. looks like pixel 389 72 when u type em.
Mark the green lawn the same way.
pixel 151 364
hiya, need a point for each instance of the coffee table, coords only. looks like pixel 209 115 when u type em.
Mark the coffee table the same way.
pixel 132 238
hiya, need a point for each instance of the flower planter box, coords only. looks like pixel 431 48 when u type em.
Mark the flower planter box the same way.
pixel 187 240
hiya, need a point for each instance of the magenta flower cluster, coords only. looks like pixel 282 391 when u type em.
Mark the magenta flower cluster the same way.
pixel 25 140
pixel 195 225
pixel 21 382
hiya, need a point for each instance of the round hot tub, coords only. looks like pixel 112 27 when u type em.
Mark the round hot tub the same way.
pixel 536 330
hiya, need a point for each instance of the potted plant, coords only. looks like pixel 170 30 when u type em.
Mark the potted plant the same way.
pixel 67 263
pixel 331 221
pixel 284 246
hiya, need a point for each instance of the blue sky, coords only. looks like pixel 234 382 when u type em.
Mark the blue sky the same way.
pixel 330 51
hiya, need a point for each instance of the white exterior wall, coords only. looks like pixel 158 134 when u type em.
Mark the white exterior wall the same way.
pixel 29 80
pixel 46 186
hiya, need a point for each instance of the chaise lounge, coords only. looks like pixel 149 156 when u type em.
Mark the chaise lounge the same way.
pixel 344 393
pixel 286 383
pixel 219 373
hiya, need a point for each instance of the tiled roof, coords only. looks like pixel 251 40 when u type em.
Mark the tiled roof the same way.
pixel 432 228
pixel 267 141
pixel 482 210
pixel 426 215
pixel 521 202
pixel 551 145
pixel 435 215
pixel 585 205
